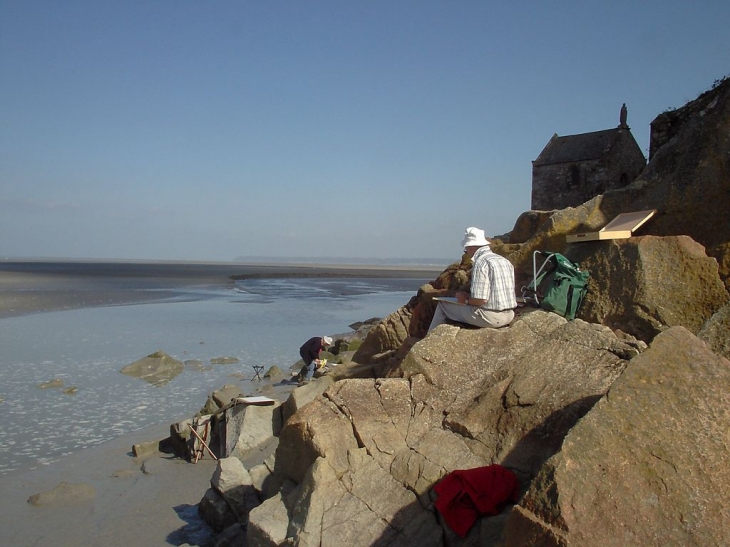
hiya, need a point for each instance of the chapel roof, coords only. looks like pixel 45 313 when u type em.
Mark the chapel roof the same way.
pixel 572 148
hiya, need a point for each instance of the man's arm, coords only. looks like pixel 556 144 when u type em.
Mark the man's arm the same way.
pixel 465 298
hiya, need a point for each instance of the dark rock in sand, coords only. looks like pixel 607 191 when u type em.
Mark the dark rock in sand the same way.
pixel 145 449
pixel 157 368
pixel 64 493
pixel 274 372
pixel 153 466
pixel 214 510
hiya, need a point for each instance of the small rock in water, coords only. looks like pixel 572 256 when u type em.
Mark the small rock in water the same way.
pixel 224 360
pixel 196 365
pixel 157 368
pixel 56 382
pixel 71 390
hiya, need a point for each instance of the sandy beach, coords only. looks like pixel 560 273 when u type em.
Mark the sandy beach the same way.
pixel 147 501
pixel 138 501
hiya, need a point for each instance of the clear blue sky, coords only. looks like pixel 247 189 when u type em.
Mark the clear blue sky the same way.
pixel 209 130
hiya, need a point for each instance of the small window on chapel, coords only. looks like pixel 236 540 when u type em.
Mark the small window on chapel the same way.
pixel 574 177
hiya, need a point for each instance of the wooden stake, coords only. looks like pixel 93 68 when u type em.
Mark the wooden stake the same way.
pixel 204 444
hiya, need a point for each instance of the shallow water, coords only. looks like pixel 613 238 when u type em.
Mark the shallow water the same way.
pixel 258 321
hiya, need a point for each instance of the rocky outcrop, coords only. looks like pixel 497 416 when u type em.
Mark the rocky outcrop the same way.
pixel 387 337
pixel 575 411
pixel 369 444
pixel 716 332
pixel 360 504
pixel 648 465
pixel 644 285
pixel 247 427
pixel 462 398
pixel 641 286
pixel 268 523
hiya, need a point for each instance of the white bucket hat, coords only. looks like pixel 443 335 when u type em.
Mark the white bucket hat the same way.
pixel 327 340
pixel 474 237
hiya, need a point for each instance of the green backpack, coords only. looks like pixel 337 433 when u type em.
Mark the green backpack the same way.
pixel 558 286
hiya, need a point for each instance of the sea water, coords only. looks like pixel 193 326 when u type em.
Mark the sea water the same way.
pixel 260 322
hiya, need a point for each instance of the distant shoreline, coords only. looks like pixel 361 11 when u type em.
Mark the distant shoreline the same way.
pixel 39 286
pixel 416 265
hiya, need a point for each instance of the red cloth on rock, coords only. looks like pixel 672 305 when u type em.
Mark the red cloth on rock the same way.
pixel 466 495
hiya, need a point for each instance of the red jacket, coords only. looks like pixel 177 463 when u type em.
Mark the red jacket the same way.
pixel 466 495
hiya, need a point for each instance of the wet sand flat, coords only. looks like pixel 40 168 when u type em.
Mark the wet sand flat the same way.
pixel 36 286
pixel 151 507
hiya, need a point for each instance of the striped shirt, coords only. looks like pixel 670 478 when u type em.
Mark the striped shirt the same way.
pixel 493 280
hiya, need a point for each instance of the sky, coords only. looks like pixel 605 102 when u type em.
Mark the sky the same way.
pixel 220 130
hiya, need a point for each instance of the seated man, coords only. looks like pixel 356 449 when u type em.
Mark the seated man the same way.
pixel 492 301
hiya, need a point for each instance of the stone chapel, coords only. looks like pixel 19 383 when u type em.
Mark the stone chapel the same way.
pixel 572 169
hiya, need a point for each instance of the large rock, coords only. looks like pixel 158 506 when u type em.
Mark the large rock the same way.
pixel 157 368
pixel 509 395
pixel 303 395
pixel 233 482
pixel 389 334
pixel 527 225
pixel 648 465
pixel 316 429
pixel 644 285
pixel 462 398
pixel 268 523
pixel 249 426
pixel 363 505
pixel 716 332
